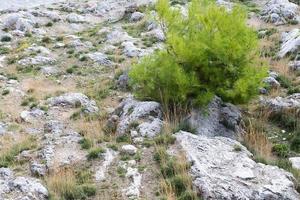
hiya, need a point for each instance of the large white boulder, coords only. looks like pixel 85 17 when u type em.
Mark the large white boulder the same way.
pixel 221 171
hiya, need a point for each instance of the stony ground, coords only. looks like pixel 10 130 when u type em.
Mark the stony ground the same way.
pixel 67 115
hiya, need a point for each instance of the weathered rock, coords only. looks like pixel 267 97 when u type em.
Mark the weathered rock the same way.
pixel 133 191
pixel 123 82
pixel 295 65
pixel 38 169
pixel 74 100
pixel 100 58
pixel 117 36
pixel 32 115
pixel 37 61
pixel 290 43
pixel 136 16
pixel 150 129
pixel 75 18
pixel 219 119
pixel 3 128
pixel 295 162
pixel 282 103
pixel 12 187
pixel 50 70
pixel 271 81
pixel 109 156
pixel 20 21
pixel 220 171
pixel 128 149
pixel 131 50
pixel 131 111
pixel 279 12
pixel 157 34
pixel 54 127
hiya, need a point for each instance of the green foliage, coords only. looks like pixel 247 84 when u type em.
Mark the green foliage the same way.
pixel 95 153
pixel 7 158
pixel 209 52
pixel 159 77
pixel 85 143
pixel 295 143
pixel 281 150
pixel 284 81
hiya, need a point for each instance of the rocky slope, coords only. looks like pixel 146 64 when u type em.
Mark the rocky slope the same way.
pixel 67 116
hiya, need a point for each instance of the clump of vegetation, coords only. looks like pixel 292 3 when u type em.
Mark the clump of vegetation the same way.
pixel 8 155
pixel 86 143
pixel 198 57
pixel 174 170
pixel 68 184
pixel 95 153
pixel 281 150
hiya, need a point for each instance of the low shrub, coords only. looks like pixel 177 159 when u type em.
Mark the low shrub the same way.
pixel 208 52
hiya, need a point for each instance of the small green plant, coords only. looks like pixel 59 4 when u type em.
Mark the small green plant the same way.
pixel 281 150
pixel 4 50
pixel 295 142
pixel 5 92
pixel 85 143
pixel 46 39
pixel 49 24
pixel 95 153
pixel 7 158
pixel 237 148
pixel 123 138
pixel 284 81
pixel 6 39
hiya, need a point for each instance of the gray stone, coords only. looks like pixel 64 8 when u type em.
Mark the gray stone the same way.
pixel 38 169
pixel 74 100
pixel 37 61
pixel 26 187
pixel 279 104
pixel 290 43
pixel 295 162
pixel 100 58
pixel 279 12
pixel 272 82
pixel 131 111
pixel 136 16
pixel 50 70
pixel 32 115
pixel 75 18
pixel 129 149
pixel 123 82
pixel 221 172
pixel 130 50
pixel 117 36
pixel 218 119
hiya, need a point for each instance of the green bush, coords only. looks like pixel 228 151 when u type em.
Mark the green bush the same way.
pixel 281 150
pixel 158 77
pixel 209 52
pixel 295 143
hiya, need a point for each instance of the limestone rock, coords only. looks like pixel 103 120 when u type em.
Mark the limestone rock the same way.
pixel 100 58
pixel 131 111
pixel 290 43
pixel 74 100
pixel 12 187
pixel 219 119
pixel 75 18
pixel 136 16
pixel 278 104
pixel 295 162
pixel 221 172
pixel 279 12
pixel 128 149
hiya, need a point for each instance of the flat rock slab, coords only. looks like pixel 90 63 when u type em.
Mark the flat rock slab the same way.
pixel 222 171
